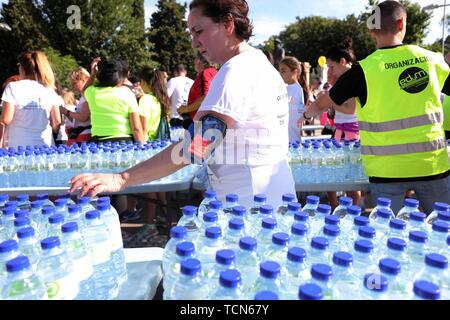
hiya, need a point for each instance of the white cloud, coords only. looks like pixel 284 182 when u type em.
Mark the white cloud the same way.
pixel 264 27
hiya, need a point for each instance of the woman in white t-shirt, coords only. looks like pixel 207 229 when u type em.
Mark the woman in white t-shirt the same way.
pixel 30 106
pixel 247 94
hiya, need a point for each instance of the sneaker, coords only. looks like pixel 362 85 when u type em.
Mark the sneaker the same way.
pixel 127 216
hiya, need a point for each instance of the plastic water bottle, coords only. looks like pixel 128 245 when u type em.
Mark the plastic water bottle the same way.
pixel 98 238
pixel 44 198
pixel 56 270
pixel 381 203
pixel 231 201
pixel 318 251
pixel 8 221
pixel 229 286
pixel 381 222
pixel 35 211
pixel 190 285
pixel 29 245
pixel 207 248
pixel 21 222
pixel 443 216
pixel 278 249
pixel 190 221
pixel 317 222
pixel 294 272
pixel 204 205
pixel 397 229
pixel 438 236
pixel 265 211
pixel 410 205
pixel 321 275
pixel 22 283
pixel 111 219
pixel 3 199
pixel 264 235
pixel 375 287
pixel 299 235
pixel 85 204
pixel 416 250
pixel 61 206
pixel 9 249
pixel 312 202
pixel 363 258
pixel 74 215
pixel 391 269
pixel 341 209
pixel 303 217
pixel 55 223
pixel 436 271
pixel 247 262
pixel 396 249
pixel 225 259
pixel 425 290
pixel 286 198
pixel 345 279
pixel 288 218
pixel 67 196
pixel 234 232
pixel 347 221
pixel 417 222
pixel 81 260
pixel 438 207
pixel 23 202
pixel 269 278
pixel 43 224
pixel 332 233
pixel 258 201
pixel 210 219
pixel 177 235
pixel 310 291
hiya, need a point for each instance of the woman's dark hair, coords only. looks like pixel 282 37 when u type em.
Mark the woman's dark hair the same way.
pixel 344 50
pixel 221 10
pixel 125 69
pixel 109 73
pixel 155 79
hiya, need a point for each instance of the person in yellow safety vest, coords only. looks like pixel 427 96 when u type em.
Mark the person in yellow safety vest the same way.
pixel 397 90
pixel 446 107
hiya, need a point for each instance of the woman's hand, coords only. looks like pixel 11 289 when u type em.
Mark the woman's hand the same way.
pixel 94 65
pixel 93 184
pixel 181 109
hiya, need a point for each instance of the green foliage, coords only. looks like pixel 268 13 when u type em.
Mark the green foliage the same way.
pixel 61 65
pixel 169 31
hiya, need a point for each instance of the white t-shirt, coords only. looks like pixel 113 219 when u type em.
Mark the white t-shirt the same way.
pixel 178 90
pixel 254 154
pixel 31 121
pixel 296 108
pixel 78 123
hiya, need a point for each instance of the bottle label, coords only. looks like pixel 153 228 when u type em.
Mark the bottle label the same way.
pixel 63 289
pixel 100 252
pixel 83 268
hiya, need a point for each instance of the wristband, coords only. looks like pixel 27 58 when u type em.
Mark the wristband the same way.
pixel 306 118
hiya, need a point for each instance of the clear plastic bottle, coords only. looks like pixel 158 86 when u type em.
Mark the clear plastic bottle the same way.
pixel 312 203
pixel 381 203
pixel 294 272
pixel 436 271
pixel 216 206
pixel 43 222
pixel 286 198
pixel 410 205
pixel 303 217
pixel 29 245
pixel 345 281
pixel 349 218
pixel 258 200
pixel 438 236
pixel 269 278
pixel 225 259
pixel 35 211
pixel 299 235
pixel 318 251
pixel 23 202
pixel 56 270
pixel 9 249
pixel 190 221
pixel 417 222
pixel 78 253
pixel 341 209
pixel 264 235
pixel 204 207
pixel 443 216
pixel 210 219
pixel 381 222
pixel 321 275
pixel 190 285
pixel 247 262
pixel 22 283
pixel 310 291
pixel 425 290
pixel 8 221
pixel 229 286
pixel 265 211
pixel 332 234
pixel 207 248
pixel 61 206
pixel 363 257
pixel 177 235
pixel 55 223
pixel 416 250
pixel 391 269
pixel 3 199
pixel 318 221
pixel 234 232
pixel 44 197
pixel 397 229
pixel 85 204
pixel 438 207
pixel 74 215
pixel 375 287
pixel 288 218
pixel 278 249
pixel 231 200
pixel 396 249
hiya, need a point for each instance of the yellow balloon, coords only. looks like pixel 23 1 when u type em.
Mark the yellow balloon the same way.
pixel 322 61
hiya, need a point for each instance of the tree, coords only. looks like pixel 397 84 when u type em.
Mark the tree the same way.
pixel 62 65
pixel 169 31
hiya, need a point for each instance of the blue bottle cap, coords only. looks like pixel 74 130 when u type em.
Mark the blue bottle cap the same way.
pixel 288 197
pixel 213 233
pixel 22 197
pixel 23 213
pixel 417 216
pixel 4 197
pixel 232 198
pixel 448 240
pixel 436 260
pixel 411 203
pixel 312 200
pixel 299 229
pixel 296 254
pixel 396 244
pixel 236 224
pixel 178 232
pixel 324 209
pixel 418 236
pixel 361 221
pixel 342 258
pixel 230 278
pixel 64 196
pixel 103 206
pixel 48 210
pixel 441 226
pixel 215 205
pixel 384 202
pixel 69 227
pixel 364 246
pixel 266 295
pixel 74 208
pixel 301 216
pixel 294 206
pixel 390 266
pixel 269 223
pixel 8 246
pixel 84 200
pixel 367 232
pixel 9 211
pixel 427 290
pixel 384 213
pixel 239 211
pixel 210 217
pixel 42 196
pixel 190 267
pixel 354 210
pixel 444 216
pixel 185 249
pixel 60 202
pixel 332 220
pixel 260 198
pixel 92 215
pixel 321 272
pixel 310 291
pixel 20 222
pixel 210 194
pixel 26 232
pixel 441 206
pixel 331 230
pixel 17 264
pixel 266 209
pixel 56 218
pixel 225 257
pixel 269 269
pixel 50 243
pixel 280 238
pixel 345 201
pixel 247 243
pixel 320 243
pixel 104 200
pixel 13 203
pixel 397 224
pixel 376 282
pixel 189 211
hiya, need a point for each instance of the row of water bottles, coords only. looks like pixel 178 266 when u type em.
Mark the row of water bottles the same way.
pixel 317 161
pixel 60 250
pixel 231 252
pixel 54 166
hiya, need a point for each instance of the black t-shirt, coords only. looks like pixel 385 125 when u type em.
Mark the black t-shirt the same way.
pixel 353 84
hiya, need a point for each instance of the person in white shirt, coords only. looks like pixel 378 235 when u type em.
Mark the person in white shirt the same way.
pixel 247 101
pixel 31 106
pixel 178 89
